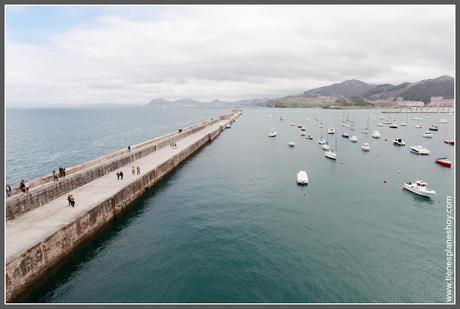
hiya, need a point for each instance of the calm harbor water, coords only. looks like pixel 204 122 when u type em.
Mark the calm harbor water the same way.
pixel 231 225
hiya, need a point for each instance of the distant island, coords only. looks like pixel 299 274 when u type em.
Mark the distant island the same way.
pixel 348 94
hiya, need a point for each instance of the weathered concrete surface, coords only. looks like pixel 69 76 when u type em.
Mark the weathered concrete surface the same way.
pixel 38 239
pixel 44 189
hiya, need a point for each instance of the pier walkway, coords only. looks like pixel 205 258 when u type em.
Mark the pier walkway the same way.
pixel 36 225
pixel 42 228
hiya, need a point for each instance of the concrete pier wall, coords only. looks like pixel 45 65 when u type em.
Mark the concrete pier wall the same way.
pixel 26 268
pixel 46 189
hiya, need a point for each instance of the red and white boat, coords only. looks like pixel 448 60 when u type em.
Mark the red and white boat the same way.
pixel 444 162
pixel 449 141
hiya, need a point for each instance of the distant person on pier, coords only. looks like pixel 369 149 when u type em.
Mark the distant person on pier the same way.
pixel 138 170
pixel 121 175
pixel 129 148
pixel 8 190
pixel 55 176
pixel 71 200
pixel 61 171
pixel 133 170
pixel 118 175
pixel 23 185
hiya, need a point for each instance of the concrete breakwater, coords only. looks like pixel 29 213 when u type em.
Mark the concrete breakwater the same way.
pixel 40 235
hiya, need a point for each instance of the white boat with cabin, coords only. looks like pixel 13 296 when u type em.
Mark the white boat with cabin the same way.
pixel 365 147
pixel 272 133
pixel 419 150
pixel 376 134
pixel 420 188
pixel 302 178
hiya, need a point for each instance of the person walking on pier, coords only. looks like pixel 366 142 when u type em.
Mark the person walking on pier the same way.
pixel 55 176
pixel 129 148
pixel 118 175
pixel 23 185
pixel 138 170
pixel 71 200
pixel 133 170
pixel 8 190
pixel 121 175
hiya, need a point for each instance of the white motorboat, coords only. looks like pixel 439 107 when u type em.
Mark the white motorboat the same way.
pixel 403 124
pixel 291 144
pixel 345 134
pixel 418 126
pixel 320 125
pixel 443 121
pixel 399 142
pixel 325 147
pixel 379 124
pixel 365 147
pixel 420 150
pixel 365 131
pixel 417 118
pixel 393 126
pixel 376 134
pixel 330 154
pixel 420 188
pixel 433 128
pixel 302 178
pixel 293 124
pixel 353 139
pixel 272 133
pixel 331 131
pixel 321 141
pixel 427 134
pixel 309 137
pixel 302 133
pixel 228 126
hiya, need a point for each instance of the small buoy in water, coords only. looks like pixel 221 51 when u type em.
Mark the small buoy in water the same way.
pixel 384 181
pixel 399 172
pixel 341 162
pixel 385 139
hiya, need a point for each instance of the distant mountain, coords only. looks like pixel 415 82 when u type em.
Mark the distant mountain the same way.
pixel 419 91
pixel 347 89
pixel 189 102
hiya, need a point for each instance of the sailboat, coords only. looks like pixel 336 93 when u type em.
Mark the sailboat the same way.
pixel 330 153
pixel 366 130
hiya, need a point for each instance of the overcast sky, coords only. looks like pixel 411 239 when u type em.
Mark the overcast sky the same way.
pixel 58 55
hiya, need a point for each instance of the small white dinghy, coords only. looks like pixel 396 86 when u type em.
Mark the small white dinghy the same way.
pixel 354 139
pixel 376 134
pixel 272 133
pixel 427 134
pixel 321 141
pixel 420 188
pixel 331 131
pixel 291 144
pixel 365 147
pixel 309 137
pixel 325 147
pixel 302 178
pixel 330 154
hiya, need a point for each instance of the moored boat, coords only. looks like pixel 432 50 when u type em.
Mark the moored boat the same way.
pixel 443 121
pixel 321 141
pixel 420 188
pixel 393 126
pixel 433 128
pixel 379 124
pixel 302 178
pixel 291 144
pixel 353 139
pixel 325 147
pixel 330 154
pixel 444 162
pixel 309 137
pixel 419 150
pixel 331 131
pixel 345 134
pixel 427 134
pixel 449 141
pixel 272 133
pixel 365 147
pixel 399 142
pixel 376 134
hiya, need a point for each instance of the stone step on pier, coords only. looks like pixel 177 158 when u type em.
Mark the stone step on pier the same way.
pixel 39 238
